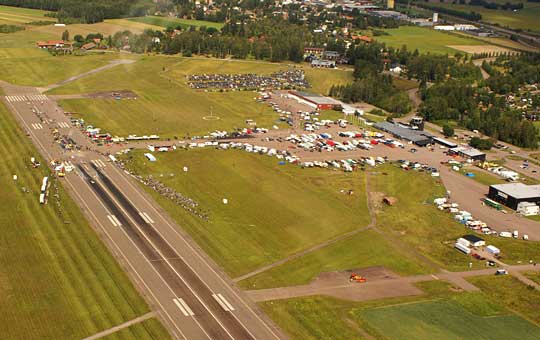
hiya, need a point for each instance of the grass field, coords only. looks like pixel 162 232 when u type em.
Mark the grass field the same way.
pixel 442 313
pixel 426 40
pixel 535 276
pixel 365 249
pixel 23 64
pixel 526 19
pixel 167 106
pixel 483 177
pixel 174 22
pixel 511 293
pixel 57 279
pixel 415 219
pixel 148 329
pixel 445 320
pixel 20 16
pixel 273 210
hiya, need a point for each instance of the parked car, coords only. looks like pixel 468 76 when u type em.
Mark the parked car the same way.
pixel 501 272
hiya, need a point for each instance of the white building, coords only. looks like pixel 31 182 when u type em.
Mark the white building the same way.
pixel 528 209
pixel 444 28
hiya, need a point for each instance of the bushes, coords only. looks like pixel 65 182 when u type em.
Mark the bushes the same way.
pixel 10 28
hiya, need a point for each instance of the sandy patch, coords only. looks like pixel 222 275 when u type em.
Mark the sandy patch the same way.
pixel 480 48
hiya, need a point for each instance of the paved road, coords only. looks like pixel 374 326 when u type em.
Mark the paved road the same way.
pixel 192 296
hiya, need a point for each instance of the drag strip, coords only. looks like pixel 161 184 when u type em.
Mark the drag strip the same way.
pixel 209 306
pixel 187 303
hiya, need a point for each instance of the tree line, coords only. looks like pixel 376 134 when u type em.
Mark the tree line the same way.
pixel 473 16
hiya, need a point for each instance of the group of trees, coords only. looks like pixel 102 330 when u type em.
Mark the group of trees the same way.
pixel 376 89
pixel 477 108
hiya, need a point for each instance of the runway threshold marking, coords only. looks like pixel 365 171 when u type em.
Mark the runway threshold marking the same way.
pixel 223 302
pixel 184 308
pixel 98 162
pixel 64 125
pixel 146 218
pixel 37 126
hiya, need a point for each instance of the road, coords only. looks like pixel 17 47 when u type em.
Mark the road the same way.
pixel 389 285
pixel 192 296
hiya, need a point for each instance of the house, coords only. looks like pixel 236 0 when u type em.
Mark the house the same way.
pixel 88 46
pixel 54 44
pixel 362 38
pixel 474 240
pixel 323 63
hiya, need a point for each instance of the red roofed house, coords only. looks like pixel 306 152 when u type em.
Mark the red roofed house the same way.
pixel 56 44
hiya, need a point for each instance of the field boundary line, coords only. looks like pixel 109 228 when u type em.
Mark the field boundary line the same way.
pixel 121 326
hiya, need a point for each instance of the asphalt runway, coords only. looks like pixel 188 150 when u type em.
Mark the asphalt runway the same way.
pixel 190 293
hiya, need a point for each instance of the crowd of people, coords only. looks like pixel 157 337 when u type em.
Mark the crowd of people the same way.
pixel 185 202
pixel 286 79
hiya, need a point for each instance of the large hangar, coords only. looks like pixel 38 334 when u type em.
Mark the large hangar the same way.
pixel 511 194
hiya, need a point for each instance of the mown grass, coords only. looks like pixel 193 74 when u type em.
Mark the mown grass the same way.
pixel 22 63
pixel 482 177
pixel 365 249
pixel 272 211
pixel 442 313
pixel 511 293
pixel 18 15
pixel 148 329
pixel 57 279
pixel 166 105
pixel 426 40
pixel 414 219
pixel 174 22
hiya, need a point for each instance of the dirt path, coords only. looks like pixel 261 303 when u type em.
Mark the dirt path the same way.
pixel 121 326
pixel 382 287
pixel 85 74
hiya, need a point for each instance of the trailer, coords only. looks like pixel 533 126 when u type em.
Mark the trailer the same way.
pixel 493 204
pixel 462 248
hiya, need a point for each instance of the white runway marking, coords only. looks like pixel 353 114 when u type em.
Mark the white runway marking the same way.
pixel 37 97
pixel 12 99
pixel 146 218
pixel 64 125
pixel 37 126
pixel 98 162
pixel 182 305
pixel 222 302
pixel 113 222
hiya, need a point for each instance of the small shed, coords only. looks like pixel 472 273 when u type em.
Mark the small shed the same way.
pixel 474 240
pixel 389 200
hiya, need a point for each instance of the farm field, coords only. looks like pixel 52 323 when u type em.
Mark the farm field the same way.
pixel 511 293
pixel 443 313
pixel 365 249
pixel 22 63
pixel 272 211
pixel 415 193
pixel 174 22
pixel 426 40
pixel 57 279
pixel 166 105
pixel 20 16
pixel 526 19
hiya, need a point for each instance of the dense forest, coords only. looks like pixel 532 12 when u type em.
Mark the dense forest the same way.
pixel 84 11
